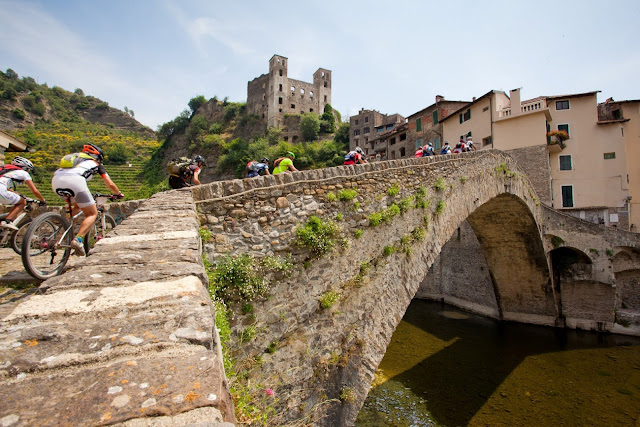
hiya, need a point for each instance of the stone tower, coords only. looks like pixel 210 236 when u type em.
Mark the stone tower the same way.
pixel 273 95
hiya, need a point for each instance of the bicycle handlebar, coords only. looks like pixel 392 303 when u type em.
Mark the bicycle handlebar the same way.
pixel 111 197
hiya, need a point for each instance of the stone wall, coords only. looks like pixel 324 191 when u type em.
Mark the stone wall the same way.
pixel 534 161
pixel 127 333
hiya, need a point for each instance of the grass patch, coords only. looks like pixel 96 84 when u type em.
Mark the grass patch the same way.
pixel 347 194
pixel 328 299
pixel 205 235
pixel 331 196
pixel 393 190
pixel 440 207
pixel 440 184
pixel 357 233
pixel 388 250
pixel 317 235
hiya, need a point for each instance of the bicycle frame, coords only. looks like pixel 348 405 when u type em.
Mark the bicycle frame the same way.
pixel 6 234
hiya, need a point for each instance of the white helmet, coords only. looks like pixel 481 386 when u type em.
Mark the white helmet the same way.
pixel 22 163
pixel 358 150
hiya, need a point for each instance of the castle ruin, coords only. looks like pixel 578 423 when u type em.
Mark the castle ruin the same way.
pixel 273 95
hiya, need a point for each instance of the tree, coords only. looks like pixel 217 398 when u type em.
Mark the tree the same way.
pixel 79 92
pixel 11 75
pixel 309 126
pixel 328 123
pixel 342 136
pixel 196 103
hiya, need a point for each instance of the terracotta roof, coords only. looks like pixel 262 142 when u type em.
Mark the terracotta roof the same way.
pixel 574 95
pixel 470 104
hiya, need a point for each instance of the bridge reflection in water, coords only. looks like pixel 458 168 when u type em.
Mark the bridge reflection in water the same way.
pixel 448 367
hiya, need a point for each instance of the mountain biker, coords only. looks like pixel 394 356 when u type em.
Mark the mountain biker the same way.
pixel 258 168
pixel 284 164
pixel 353 157
pixel 74 180
pixel 190 172
pixel 8 181
pixel 427 150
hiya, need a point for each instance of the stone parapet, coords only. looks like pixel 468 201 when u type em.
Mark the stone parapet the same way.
pixel 124 335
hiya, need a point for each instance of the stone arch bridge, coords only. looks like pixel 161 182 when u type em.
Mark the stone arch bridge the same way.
pixel 128 333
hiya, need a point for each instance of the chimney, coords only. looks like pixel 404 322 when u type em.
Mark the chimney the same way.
pixel 514 94
pixel 439 98
pixel 473 99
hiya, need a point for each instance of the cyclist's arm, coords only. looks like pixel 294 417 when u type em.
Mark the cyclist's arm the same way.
pixel 293 168
pixel 34 190
pixel 196 181
pixel 107 181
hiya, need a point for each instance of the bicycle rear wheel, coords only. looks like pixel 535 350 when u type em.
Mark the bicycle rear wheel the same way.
pixel 18 236
pixel 97 232
pixel 46 245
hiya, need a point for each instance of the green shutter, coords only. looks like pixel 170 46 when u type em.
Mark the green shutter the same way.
pixel 435 117
pixel 461 120
pixel 419 125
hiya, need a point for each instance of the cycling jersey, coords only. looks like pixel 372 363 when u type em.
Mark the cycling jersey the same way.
pixel 75 180
pixel 9 181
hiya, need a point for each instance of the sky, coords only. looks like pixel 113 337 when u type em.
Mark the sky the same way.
pixel 153 56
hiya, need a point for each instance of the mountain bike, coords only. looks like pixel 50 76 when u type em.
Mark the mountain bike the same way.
pixel 22 221
pixel 46 245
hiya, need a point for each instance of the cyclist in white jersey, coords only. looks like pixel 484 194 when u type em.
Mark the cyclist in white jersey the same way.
pixel 73 181
pixel 9 181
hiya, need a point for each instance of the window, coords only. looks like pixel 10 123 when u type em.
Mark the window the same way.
pixel 366 119
pixel 567 196
pixel 435 117
pixel 616 114
pixel 608 156
pixel 393 155
pixel 436 143
pixel 280 72
pixel 487 141
pixel 366 130
pixel 280 100
pixel 402 152
pixel 325 84
pixel 564 127
pixel 392 141
pixel 310 94
pixel 465 116
pixel 293 106
pixel 485 109
pixel 293 88
pixel 565 163
pixel 356 122
pixel 403 136
pixel 419 125
pixel 280 87
pixel 301 91
pixel 311 110
pixel 356 132
pixel 325 98
pixel 418 143
pixel 562 105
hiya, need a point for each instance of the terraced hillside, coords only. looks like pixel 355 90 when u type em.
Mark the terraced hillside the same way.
pixel 127 178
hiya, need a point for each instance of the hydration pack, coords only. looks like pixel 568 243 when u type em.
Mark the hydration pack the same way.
pixel 73 160
pixel 252 166
pixel 350 156
pixel 276 162
pixel 178 167
pixel 8 168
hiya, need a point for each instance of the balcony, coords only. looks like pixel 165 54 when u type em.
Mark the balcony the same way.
pixel 555 140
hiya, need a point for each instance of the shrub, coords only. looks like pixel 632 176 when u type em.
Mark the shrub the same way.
pixel 375 218
pixel 439 185
pixel 388 250
pixel 328 299
pixel 463 179
pixel 310 126
pixel 239 276
pixel 357 233
pixel 440 207
pixel 196 102
pixel 346 194
pixel 422 191
pixel 216 128
pixel 339 216
pixel 331 196
pixel 318 235
pixel 19 113
pixel 418 234
pixel 205 235
pixel 405 204
pixel 393 190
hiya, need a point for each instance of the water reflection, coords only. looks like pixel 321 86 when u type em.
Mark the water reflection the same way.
pixel 447 367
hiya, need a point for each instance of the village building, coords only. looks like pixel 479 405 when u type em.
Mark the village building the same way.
pixel 374 132
pixel 271 96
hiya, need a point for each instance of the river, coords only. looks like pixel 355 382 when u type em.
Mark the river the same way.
pixel 447 367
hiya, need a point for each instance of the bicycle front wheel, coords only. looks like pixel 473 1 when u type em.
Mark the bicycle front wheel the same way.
pixel 18 237
pixel 98 232
pixel 46 245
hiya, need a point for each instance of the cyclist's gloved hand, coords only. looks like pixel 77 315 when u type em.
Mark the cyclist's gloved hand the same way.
pixel 42 203
pixel 118 196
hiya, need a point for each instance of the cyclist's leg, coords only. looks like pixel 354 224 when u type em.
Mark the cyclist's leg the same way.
pixel 10 198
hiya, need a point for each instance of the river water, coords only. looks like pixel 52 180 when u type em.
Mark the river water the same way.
pixel 447 367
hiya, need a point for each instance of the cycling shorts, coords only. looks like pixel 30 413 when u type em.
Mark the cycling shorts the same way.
pixel 77 184
pixel 8 197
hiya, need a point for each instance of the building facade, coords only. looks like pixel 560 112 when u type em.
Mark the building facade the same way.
pixel 426 125
pixel 372 131
pixel 273 95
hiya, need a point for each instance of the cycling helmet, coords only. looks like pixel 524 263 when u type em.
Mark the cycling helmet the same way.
pixel 199 159
pixel 429 144
pixel 290 154
pixel 23 163
pixel 264 160
pixel 94 151
pixel 358 150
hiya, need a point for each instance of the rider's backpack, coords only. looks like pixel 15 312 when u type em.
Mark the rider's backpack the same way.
pixel 73 160
pixel 8 168
pixel 178 167
pixel 252 166
pixel 350 156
